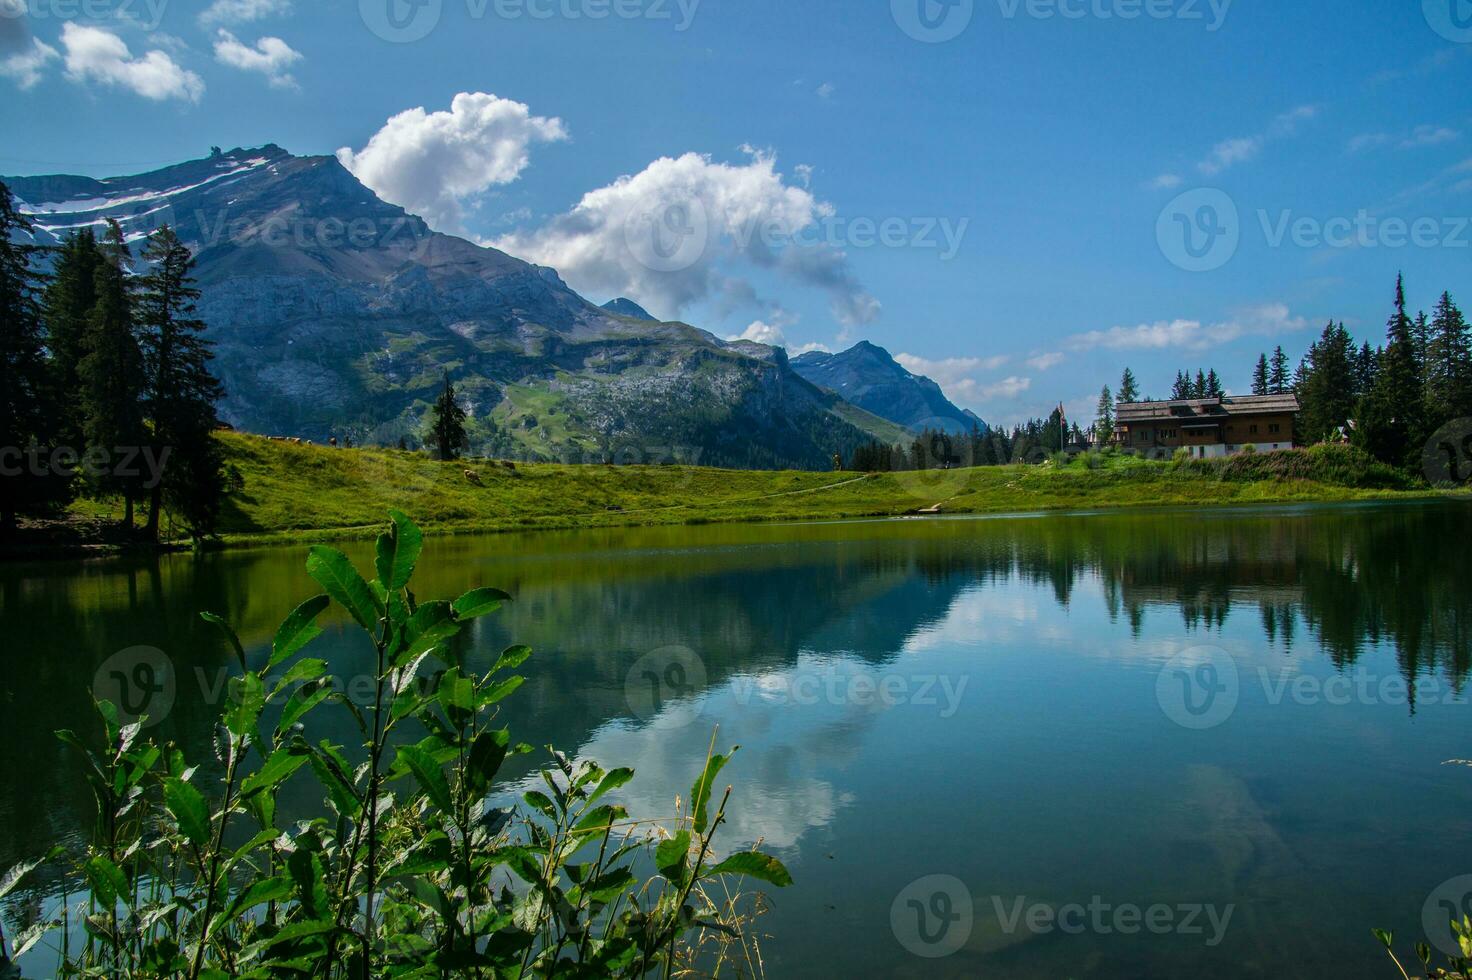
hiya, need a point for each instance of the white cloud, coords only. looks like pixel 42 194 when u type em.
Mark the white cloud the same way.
pixel 668 236
pixel 94 54
pixel 1046 362
pixel 27 67
pixel 826 90
pixel 1190 334
pixel 1005 389
pixel 430 162
pixel 242 11
pixel 1165 182
pixel 1366 141
pixel 1230 152
pixel 1429 136
pixel 763 333
pixel 271 56
pixel 955 375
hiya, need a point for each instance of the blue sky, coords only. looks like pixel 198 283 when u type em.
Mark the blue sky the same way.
pixel 1035 168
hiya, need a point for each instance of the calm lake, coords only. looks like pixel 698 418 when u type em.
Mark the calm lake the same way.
pixel 1148 744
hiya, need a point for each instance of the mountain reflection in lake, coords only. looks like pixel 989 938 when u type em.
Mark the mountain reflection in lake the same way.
pixel 980 699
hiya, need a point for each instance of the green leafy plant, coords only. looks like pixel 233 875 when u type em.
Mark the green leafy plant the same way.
pixel 419 864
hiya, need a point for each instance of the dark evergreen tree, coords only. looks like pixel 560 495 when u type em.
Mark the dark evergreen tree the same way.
pixel 1260 382
pixel 1278 381
pixel 1129 390
pixel 69 300
pixel 1213 386
pixel 112 378
pixel 28 483
pixel 1182 389
pixel 1448 365
pixel 1421 343
pixel 1326 393
pixel 1104 416
pixel 1391 416
pixel 446 433
pixel 1367 362
pixel 179 401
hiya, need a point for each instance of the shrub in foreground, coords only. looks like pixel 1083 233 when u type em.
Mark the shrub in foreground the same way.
pixel 412 869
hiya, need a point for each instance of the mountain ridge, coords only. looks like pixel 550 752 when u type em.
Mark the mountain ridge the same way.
pixel 868 376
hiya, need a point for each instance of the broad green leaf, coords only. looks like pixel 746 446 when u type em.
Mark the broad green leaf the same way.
pixel 247 699
pixel 754 864
pixel 11 878
pixel 106 880
pixel 430 776
pixel 479 602
pixel 225 628
pixel 301 702
pixel 606 888
pixel 189 809
pixel 486 755
pixel 258 893
pixel 298 629
pixel 611 781
pixel 398 551
pixel 512 658
pixel 310 880
pixel 457 696
pixel 281 764
pixel 541 803
pixel 336 574
pixel 331 774
pixel 670 856
pixel 598 820
pixel 431 625
pixel 700 793
pixel 498 692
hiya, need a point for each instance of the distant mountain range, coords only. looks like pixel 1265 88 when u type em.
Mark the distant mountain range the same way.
pixel 335 314
pixel 867 376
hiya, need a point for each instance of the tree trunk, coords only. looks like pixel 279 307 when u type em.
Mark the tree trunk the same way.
pixel 155 505
pixel 128 513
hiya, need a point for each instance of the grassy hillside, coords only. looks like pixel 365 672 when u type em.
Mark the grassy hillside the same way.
pixel 305 490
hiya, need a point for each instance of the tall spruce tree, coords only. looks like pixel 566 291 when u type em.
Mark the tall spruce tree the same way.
pixel 1213 387
pixel 1327 391
pixel 1391 415
pixel 1278 381
pixel 1448 365
pixel 1129 389
pixel 179 402
pixel 70 297
pixel 1198 389
pixel 28 483
pixel 1367 362
pixel 1104 417
pixel 1260 383
pixel 447 424
pixel 111 376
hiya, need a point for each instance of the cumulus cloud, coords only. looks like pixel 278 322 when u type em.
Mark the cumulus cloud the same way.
pixel 271 56
pixel 28 65
pixel 671 235
pixel 430 163
pixel 1230 152
pixel 1267 320
pixel 761 332
pixel 97 55
pixel 242 11
pixel 1045 362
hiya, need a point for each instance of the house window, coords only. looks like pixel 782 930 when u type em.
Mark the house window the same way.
pixel 1275 428
pixel 1252 430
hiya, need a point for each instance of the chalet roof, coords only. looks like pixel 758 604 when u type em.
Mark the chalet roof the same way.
pixel 1197 411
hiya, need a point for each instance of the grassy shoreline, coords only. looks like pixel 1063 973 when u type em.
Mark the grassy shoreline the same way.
pixel 294 493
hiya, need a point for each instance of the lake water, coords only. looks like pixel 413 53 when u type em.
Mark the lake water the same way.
pixel 1147 744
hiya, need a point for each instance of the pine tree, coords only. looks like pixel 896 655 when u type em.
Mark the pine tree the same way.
pixel 447 426
pixel 27 482
pixel 1129 390
pixel 1181 390
pixel 111 375
pixel 1278 383
pixel 1104 418
pixel 1390 422
pixel 1327 391
pixel 1213 386
pixel 1198 390
pixel 1260 383
pixel 68 303
pixel 179 402
pixel 1366 364
pixel 1448 365
pixel 1421 343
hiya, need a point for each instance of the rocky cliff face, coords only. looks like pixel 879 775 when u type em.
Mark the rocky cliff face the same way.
pixel 867 376
pixel 336 314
